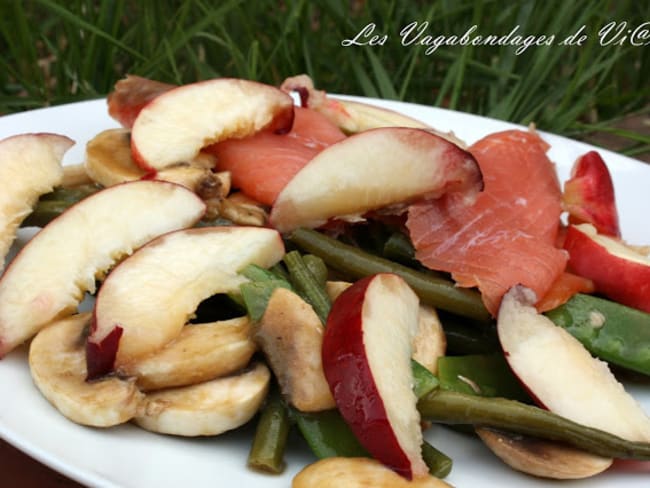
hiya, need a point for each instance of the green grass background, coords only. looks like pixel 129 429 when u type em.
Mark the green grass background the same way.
pixel 54 52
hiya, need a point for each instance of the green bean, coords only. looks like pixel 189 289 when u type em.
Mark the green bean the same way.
pixel 398 248
pixel 256 295
pixel 307 285
pixel 317 267
pixel 438 292
pixel 480 374
pixel 267 451
pixel 513 416
pixel 327 434
pixel 256 273
pixel 438 462
pixel 53 204
pixel 423 380
pixel 467 337
pixel 609 330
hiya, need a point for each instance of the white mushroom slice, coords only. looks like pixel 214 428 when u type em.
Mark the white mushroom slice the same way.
pixel 208 408
pixel 430 342
pixel 542 458
pixel 57 361
pixel 200 353
pixel 336 472
pixel 291 336
pixel 243 210
pixel 30 165
pixel 108 158
pixel 109 162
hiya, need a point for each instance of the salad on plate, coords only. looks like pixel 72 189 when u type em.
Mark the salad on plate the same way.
pixel 311 269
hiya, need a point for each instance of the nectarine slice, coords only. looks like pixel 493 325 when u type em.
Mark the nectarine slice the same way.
pixel 374 169
pixel 49 276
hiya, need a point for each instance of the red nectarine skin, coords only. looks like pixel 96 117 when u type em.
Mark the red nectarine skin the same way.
pixel 130 95
pixel 100 356
pixel 589 195
pixel 350 379
pixel 620 279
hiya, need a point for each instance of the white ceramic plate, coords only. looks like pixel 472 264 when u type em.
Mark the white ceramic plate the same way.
pixel 129 457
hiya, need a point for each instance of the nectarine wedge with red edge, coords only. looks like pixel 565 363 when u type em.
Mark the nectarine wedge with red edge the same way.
pixel 49 276
pixel 130 95
pixel 148 298
pixel 374 169
pixel 367 363
pixel 618 271
pixel 589 195
pixel 175 125
pixel 561 375
pixel 30 165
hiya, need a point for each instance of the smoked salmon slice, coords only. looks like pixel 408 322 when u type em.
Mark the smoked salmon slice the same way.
pixel 261 165
pixel 507 237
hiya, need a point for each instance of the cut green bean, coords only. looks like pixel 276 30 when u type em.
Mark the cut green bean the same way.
pixel 307 285
pixel 423 380
pixel 53 204
pixel 267 451
pixel 355 263
pixel 317 267
pixel 398 248
pixel 256 273
pixel 457 408
pixel 438 462
pixel 256 295
pixel 466 337
pixel 609 330
pixel 328 435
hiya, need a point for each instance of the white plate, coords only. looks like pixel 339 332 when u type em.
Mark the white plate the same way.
pixel 129 457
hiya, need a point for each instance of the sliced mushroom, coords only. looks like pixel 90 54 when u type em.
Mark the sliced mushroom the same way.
pixel 243 210
pixel 542 458
pixel 108 158
pixel 57 361
pixel 291 336
pixel 335 472
pixel 208 408
pixel 200 353
pixel 75 175
pixel 430 342
pixel 109 162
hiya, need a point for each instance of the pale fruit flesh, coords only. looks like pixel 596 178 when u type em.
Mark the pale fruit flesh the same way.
pixel 30 165
pixel 175 126
pixel 617 270
pixel 49 276
pixel 371 170
pixel 193 265
pixel 367 351
pixel 561 374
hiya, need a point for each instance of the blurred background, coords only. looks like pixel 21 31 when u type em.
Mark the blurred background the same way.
pixel 55 52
